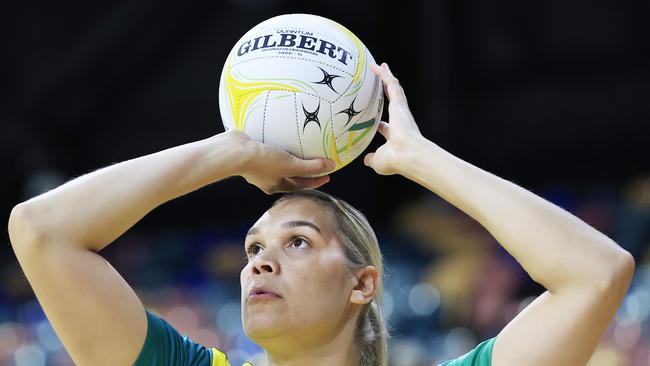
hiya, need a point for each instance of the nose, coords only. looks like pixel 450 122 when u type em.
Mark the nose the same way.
pixel 263 264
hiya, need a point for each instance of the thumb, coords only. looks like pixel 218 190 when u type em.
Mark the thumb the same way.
pixel 368 159
pixel 384 129
pixel 311 167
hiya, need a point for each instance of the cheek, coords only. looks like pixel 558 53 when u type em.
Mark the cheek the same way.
pixel 244 279
pixel 324 280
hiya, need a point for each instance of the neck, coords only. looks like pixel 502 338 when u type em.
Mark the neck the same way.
pixel 336 351
pixel 337 358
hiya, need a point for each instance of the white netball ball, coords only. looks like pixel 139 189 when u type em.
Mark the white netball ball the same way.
pixel 302 83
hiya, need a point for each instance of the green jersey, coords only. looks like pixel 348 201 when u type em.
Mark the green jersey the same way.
pixel 479 356
pixel 164 345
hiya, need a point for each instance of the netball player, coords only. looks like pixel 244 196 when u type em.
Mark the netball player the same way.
pixel 311 290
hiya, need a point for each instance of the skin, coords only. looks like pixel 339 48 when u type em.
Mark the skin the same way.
pixel 315 317
pixel 101 321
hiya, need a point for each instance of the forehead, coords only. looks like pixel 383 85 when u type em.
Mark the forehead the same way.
pixel 296 209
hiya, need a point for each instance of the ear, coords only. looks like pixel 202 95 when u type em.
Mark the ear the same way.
pixel 366 285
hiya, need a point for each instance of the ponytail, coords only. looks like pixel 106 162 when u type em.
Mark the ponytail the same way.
pixel 371 337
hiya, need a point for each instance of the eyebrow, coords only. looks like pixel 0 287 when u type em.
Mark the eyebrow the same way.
pixel 289 224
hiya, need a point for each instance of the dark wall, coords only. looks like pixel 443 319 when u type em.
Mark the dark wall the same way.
pixel 539 93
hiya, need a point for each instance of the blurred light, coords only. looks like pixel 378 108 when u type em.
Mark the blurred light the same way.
pixel 229 318
pixel 258 359
pixel 642 296
pixel 632 308
pixel 627 336
pixel 424 299
pixel 459 341
pixel 643 273
pixel 8 338
pixel 246 344
pixel 238 357
pixel 183 318
pixel 406 353
pixel 207 337
pixel 42 181
pixel 389 305
pixel 47 336
pixel 29 355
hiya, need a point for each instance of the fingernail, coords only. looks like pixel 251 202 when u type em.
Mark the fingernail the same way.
pixel 330 165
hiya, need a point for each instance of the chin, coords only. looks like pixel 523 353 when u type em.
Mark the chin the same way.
pixel 261 325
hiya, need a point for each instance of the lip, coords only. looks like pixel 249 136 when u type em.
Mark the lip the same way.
pixel 263 296
pixel 260 292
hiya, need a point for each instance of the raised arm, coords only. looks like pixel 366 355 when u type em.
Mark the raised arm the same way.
pixel 56 235
pixel 586 273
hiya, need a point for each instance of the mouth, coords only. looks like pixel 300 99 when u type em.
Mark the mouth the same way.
pixel 260 293
pixel 263 296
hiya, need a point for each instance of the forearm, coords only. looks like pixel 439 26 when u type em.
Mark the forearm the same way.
pixel 557 249
pixel 93 210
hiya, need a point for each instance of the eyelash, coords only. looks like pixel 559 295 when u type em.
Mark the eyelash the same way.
pixel 250 248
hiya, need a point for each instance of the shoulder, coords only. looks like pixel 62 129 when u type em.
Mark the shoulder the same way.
pixel 479 356
pixel 164 345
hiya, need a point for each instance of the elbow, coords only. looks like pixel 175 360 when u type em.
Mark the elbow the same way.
pixel 625 268
pixel 23 229
pixel 620 273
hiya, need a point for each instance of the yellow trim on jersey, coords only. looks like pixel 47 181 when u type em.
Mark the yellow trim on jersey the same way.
pixel 219 358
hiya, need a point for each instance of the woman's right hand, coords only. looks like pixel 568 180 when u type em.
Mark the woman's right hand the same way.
pixel 273 170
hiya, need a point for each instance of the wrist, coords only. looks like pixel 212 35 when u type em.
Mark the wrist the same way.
pixel 411 152
pixel 230 152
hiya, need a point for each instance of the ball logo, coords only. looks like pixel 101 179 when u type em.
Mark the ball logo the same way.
pixel 311 116
pixel 327 79
pixel 350 112
pixel 305 41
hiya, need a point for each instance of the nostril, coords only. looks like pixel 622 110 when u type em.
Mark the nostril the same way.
pixel 267 268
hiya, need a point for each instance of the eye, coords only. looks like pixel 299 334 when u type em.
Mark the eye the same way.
pixel 253 250
pixel 298 242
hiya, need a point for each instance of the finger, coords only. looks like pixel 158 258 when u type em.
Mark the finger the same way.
pixel 385 87
pixel 301 183
pixel 325 180
pixel 285 185
pixel 310 167
pixel 392 88
pixel 383 128
pixel 384 73
pixel 375 69
pixel 367 160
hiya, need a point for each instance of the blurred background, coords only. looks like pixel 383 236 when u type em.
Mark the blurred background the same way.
pixel 553 95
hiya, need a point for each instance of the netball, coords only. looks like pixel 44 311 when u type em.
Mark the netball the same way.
pixel 302 83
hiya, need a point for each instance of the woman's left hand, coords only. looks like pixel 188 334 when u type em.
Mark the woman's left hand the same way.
pixel 400 132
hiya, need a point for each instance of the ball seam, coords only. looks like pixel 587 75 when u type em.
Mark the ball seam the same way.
pixel 266 102
pixel 295 109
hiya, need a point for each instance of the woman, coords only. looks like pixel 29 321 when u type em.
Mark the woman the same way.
pixel 311 291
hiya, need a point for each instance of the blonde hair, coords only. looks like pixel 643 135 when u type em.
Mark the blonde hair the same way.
pixel 362 249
